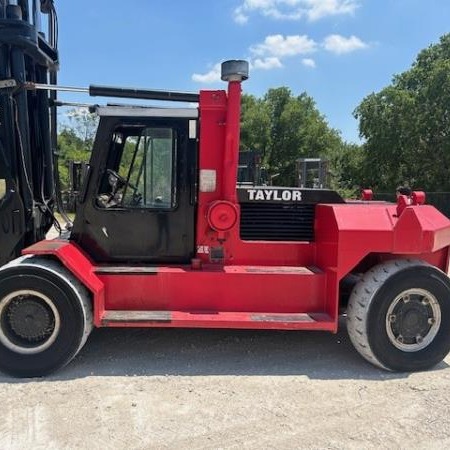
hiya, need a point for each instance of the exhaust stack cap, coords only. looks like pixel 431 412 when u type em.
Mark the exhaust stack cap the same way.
pixel 235 70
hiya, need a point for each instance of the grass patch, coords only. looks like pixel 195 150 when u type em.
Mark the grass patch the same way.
pixel 61 219
pixel 2 188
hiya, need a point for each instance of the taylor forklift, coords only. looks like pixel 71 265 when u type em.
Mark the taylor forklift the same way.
pixel 163 237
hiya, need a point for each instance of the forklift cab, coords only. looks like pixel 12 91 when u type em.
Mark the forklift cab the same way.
pixel 138 200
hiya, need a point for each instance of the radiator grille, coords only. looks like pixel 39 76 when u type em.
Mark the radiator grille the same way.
pixel 277 222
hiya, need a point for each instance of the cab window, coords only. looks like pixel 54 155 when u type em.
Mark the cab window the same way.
pixel 141 170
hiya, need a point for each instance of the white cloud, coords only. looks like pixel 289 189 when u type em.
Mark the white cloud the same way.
pixel 213 76
pixel 240 17
pixel 294 9
pixel 269 63
pixel 308 62
pixel 270 54
pixel 281 46
pixel 339 45
pixel 80 112
pixel 323 8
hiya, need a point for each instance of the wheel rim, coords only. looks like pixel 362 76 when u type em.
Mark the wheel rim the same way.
pixel 413 320
pixel 29 322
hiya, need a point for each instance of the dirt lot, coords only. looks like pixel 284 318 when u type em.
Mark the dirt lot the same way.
pixel 136 389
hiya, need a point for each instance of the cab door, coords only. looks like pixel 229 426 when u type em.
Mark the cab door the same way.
pixel 139 203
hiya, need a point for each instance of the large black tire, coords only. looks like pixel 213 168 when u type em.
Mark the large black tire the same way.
pixel 398 316
pixel 45 317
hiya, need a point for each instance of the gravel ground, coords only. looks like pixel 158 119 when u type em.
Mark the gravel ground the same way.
pixel 195 389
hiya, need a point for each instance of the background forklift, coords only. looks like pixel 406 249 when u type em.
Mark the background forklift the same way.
pixel 313 173
pixel 163 236
pixel 251 171
pixel 77 173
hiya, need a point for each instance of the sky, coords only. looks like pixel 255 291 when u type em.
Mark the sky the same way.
pixel 338 51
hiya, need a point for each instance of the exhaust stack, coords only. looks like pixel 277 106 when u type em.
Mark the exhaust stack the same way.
pixel 234 72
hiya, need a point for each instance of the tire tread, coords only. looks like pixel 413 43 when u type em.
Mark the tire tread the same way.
pixel 361 300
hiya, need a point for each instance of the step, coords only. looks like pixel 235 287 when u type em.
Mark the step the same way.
pixel 207 268
pixel 209 319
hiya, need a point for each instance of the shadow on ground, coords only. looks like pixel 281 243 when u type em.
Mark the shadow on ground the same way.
pixel 188 352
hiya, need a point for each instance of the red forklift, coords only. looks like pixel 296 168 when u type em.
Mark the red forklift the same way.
pixel 164 237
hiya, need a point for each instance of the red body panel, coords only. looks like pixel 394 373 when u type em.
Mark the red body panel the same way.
pixel 345 234
pixel 228 289
pixel 74 259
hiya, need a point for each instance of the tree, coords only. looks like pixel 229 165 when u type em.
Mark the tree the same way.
pixel 75 141
pixel 407 125
pixel 285 128
pixel 84 124
pixel 70 148
pixel 346 166
pixel 255 124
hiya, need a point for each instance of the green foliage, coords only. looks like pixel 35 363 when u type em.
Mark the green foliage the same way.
pixel 2 188
pixel 346 166
pixel 147 164
pixel 285 128
pixel 75 142
pixel 70 148
pixel 407 125
pixel 255 124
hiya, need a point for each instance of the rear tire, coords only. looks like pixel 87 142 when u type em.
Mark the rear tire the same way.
pixel 398 316
pixel 45 317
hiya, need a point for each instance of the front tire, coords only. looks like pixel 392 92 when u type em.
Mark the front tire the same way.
pixel 398 316
pixel 45 317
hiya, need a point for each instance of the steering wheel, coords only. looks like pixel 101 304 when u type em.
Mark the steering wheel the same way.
pixel 122 182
